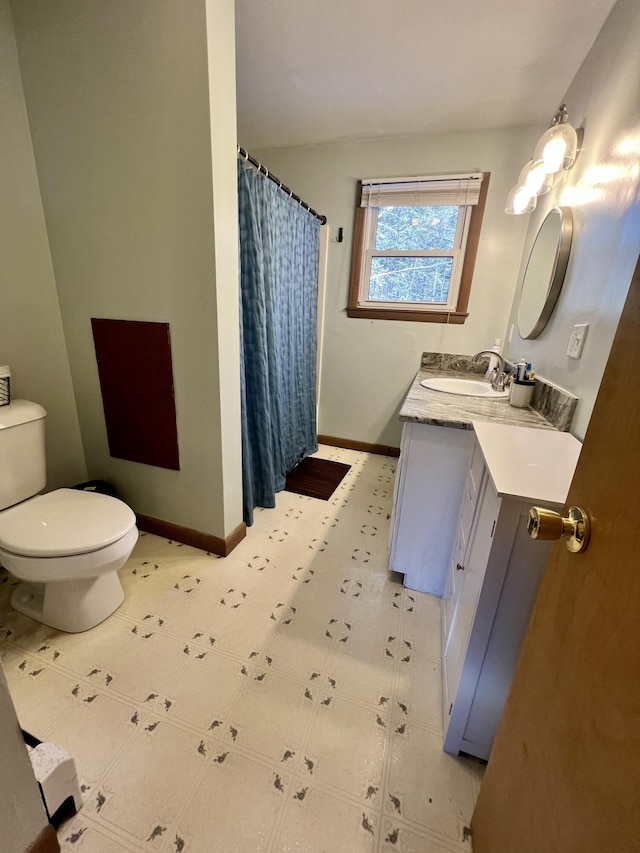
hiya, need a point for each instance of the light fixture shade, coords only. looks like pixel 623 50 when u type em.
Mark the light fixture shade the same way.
pixel 535 178
pixel 558 147
pixel 520 200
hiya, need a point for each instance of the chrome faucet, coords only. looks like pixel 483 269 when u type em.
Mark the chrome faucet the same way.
pixel 499 378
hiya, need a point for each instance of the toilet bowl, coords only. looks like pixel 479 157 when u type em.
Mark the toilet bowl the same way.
pixel 67 546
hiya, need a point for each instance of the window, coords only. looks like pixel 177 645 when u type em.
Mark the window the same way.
pixel 414 247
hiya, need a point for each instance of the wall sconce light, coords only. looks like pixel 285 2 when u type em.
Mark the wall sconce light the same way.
pixel 554 154
pixel 520 200
pixel 536 178
pixel 558 146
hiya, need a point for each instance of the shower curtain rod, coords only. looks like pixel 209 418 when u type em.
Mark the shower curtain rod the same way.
pixel 249 159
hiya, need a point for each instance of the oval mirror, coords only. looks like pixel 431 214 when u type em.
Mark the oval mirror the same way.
pixel 545 271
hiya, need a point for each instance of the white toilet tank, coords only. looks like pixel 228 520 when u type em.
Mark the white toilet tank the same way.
pixel 22 456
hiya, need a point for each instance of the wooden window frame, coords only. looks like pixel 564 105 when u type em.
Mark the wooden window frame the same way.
pixel 412 311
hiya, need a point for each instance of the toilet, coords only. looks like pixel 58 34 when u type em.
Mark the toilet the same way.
pixel 65 546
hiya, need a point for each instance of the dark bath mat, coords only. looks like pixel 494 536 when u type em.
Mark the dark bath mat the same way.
pixel 317 478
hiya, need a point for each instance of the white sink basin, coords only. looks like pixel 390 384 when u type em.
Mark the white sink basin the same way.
pixel 464 387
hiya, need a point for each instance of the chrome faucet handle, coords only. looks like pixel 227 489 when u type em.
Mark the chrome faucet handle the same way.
pixel 501 381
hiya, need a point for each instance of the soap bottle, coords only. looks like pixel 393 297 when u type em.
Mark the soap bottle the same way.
pixel 521 370
pixel 493 361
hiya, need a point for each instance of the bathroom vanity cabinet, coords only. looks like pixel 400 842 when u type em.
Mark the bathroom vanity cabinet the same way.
pixel 435 453
pixel 494 573
pixel 428 486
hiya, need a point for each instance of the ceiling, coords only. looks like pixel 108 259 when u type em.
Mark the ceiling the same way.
pixel 311 71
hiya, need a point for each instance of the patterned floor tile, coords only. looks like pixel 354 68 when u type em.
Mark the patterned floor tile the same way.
pixel 80 653
pixel 145 791
pixel 13 663
pixel 240 566
pixel 272 717
pixel 422 629
pixel 241 630
pixel 235 807
pixel 23 632
pixel 375 616
pixel 396 837
pixel 149 547
pixel 42 696
pixel 206 689
pixel 362 670
pixel 81 834
pixel 191 609
pixel 284 698
pixel 428 787
pixel 347 743
pixel 419 692
pixel 148 595
pixel 322 598
pixel 146 662
pixel 299 649
pixel 95 729
pixel 272 586
pixel 319 823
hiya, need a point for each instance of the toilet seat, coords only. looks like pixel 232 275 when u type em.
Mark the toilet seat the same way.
pixel 73 567
pixel 64 523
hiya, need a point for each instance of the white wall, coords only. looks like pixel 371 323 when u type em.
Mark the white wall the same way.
pixel 368 365
pixel 604 99
pixel 222 118
pixel 142 221
pixel 31 336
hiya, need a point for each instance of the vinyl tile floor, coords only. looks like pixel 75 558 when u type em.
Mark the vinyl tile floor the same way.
pixel 285 698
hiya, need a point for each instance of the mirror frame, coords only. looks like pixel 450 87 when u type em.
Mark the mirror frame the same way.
pixel 558 269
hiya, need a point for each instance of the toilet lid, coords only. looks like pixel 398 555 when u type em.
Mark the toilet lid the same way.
pixel 64 522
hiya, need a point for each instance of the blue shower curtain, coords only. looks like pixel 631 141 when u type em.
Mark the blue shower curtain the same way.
pixel 279 252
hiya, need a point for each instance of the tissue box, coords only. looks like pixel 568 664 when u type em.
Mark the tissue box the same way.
pixel 5 385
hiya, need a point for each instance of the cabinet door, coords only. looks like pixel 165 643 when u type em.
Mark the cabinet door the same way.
pixel 514 603
pixel 398 489
pixel 471 491
pixel 455 582
pixel 476 558
pixel 434 464
pixel 470 497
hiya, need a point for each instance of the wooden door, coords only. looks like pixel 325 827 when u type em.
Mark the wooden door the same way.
pixel 564 774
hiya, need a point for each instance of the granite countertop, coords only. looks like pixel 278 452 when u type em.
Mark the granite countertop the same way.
pixel 423 406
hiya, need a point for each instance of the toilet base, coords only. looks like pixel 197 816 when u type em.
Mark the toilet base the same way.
pixel 73 606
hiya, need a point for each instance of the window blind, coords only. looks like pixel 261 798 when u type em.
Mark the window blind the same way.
pixel 414 192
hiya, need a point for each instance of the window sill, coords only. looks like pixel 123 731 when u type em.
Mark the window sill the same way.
pixel 453 318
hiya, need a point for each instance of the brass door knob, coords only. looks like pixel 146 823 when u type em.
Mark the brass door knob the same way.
pixel 546 524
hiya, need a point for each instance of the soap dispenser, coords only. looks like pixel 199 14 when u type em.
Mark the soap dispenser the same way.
pixel 493 361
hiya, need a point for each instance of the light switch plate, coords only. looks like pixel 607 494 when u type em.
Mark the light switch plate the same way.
pixel 576 341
